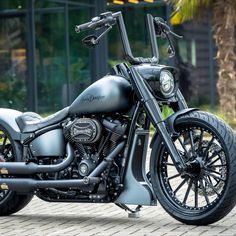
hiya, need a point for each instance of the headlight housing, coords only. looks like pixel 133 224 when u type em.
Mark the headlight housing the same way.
pixel 167 83
pixel 161 80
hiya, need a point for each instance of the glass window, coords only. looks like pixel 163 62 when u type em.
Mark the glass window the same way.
pixel 80 66
pixel 12 4
pixel 62 66
pixel 50 59
pixel 56 85
pixel 13 66
pixel 46 4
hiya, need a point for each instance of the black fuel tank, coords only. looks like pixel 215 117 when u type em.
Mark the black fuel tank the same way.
pixel 112 93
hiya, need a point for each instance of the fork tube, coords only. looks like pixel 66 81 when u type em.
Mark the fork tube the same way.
pixel 153 110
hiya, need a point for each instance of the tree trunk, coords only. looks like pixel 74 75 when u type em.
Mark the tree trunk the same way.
pixel 224 20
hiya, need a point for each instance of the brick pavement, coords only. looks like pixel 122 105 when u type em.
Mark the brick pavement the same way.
pixel 52 219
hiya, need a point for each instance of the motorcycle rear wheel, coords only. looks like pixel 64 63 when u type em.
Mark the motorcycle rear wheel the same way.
pixel 207 191
pixel 10 201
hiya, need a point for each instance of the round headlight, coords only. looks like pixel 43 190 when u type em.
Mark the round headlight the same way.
pixel 167 83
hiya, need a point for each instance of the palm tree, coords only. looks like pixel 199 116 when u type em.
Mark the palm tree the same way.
pixel 223 27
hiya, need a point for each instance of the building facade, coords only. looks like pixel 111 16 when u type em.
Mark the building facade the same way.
pixel 44 65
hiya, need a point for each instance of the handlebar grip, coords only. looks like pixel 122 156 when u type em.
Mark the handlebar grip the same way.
pixel 102 22
pixel 96 23
pixel 82 27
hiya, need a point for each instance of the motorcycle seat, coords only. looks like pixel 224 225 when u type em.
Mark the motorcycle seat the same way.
pixel 31 121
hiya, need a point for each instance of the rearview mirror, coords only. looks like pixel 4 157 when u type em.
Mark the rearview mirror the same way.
pixel 90 41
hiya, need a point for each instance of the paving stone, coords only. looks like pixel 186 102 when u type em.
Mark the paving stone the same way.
pixel 42 218
pixel 70 219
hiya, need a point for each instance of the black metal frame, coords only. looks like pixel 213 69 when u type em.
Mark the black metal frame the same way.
pixel 31 51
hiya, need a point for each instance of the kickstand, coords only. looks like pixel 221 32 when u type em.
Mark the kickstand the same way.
pixel 132 213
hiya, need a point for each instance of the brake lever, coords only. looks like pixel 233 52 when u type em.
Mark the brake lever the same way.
pixel 165 28
pixel 176 35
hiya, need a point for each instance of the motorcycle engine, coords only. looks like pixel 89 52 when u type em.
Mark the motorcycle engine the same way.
pixel 83 130
pixel 92 140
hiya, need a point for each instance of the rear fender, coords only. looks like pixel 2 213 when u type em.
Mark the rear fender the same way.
pixel 8 121
pixel 170 122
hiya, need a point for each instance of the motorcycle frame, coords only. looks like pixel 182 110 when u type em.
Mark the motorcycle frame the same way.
pixel 137 189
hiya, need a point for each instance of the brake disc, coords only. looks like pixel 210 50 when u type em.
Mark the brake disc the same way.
pixel 216 183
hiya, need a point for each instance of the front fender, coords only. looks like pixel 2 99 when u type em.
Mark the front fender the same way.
pixel 8 121
pixel 170 122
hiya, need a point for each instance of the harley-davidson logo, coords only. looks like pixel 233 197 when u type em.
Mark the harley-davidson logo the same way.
pixel 91 98
pixel 88 132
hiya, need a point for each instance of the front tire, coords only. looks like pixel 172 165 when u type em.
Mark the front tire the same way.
pixel 10 151
pixel 207 191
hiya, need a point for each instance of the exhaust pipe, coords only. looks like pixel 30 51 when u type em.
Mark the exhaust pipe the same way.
pixel 29 185
pixel 102 166
pixel 21 168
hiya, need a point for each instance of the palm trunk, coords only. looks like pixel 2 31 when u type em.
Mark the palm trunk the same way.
pixel 224 20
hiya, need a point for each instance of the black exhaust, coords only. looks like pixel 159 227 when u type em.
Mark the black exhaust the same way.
pixel 21 168
pixel 102 166
pixel 30 185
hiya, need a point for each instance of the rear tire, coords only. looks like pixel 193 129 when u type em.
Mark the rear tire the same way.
pixel 10 201
pixel 207 192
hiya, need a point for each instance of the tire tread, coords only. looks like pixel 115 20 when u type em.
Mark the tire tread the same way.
pixel 229 199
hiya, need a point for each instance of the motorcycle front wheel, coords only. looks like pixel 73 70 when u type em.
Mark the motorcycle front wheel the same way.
pixel 206 192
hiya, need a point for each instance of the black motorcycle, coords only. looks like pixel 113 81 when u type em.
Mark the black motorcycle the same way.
pixel 94 151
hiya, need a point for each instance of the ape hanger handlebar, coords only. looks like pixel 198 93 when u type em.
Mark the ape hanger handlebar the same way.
pixel 157 27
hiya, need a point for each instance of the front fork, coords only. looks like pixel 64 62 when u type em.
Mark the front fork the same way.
pixel 153 110
pixel 181 101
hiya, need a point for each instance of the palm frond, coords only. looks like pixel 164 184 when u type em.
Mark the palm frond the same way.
pixel 190 9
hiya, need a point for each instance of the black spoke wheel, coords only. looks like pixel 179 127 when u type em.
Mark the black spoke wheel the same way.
pixel 10 151
pixel 206 191
pixel 6 155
